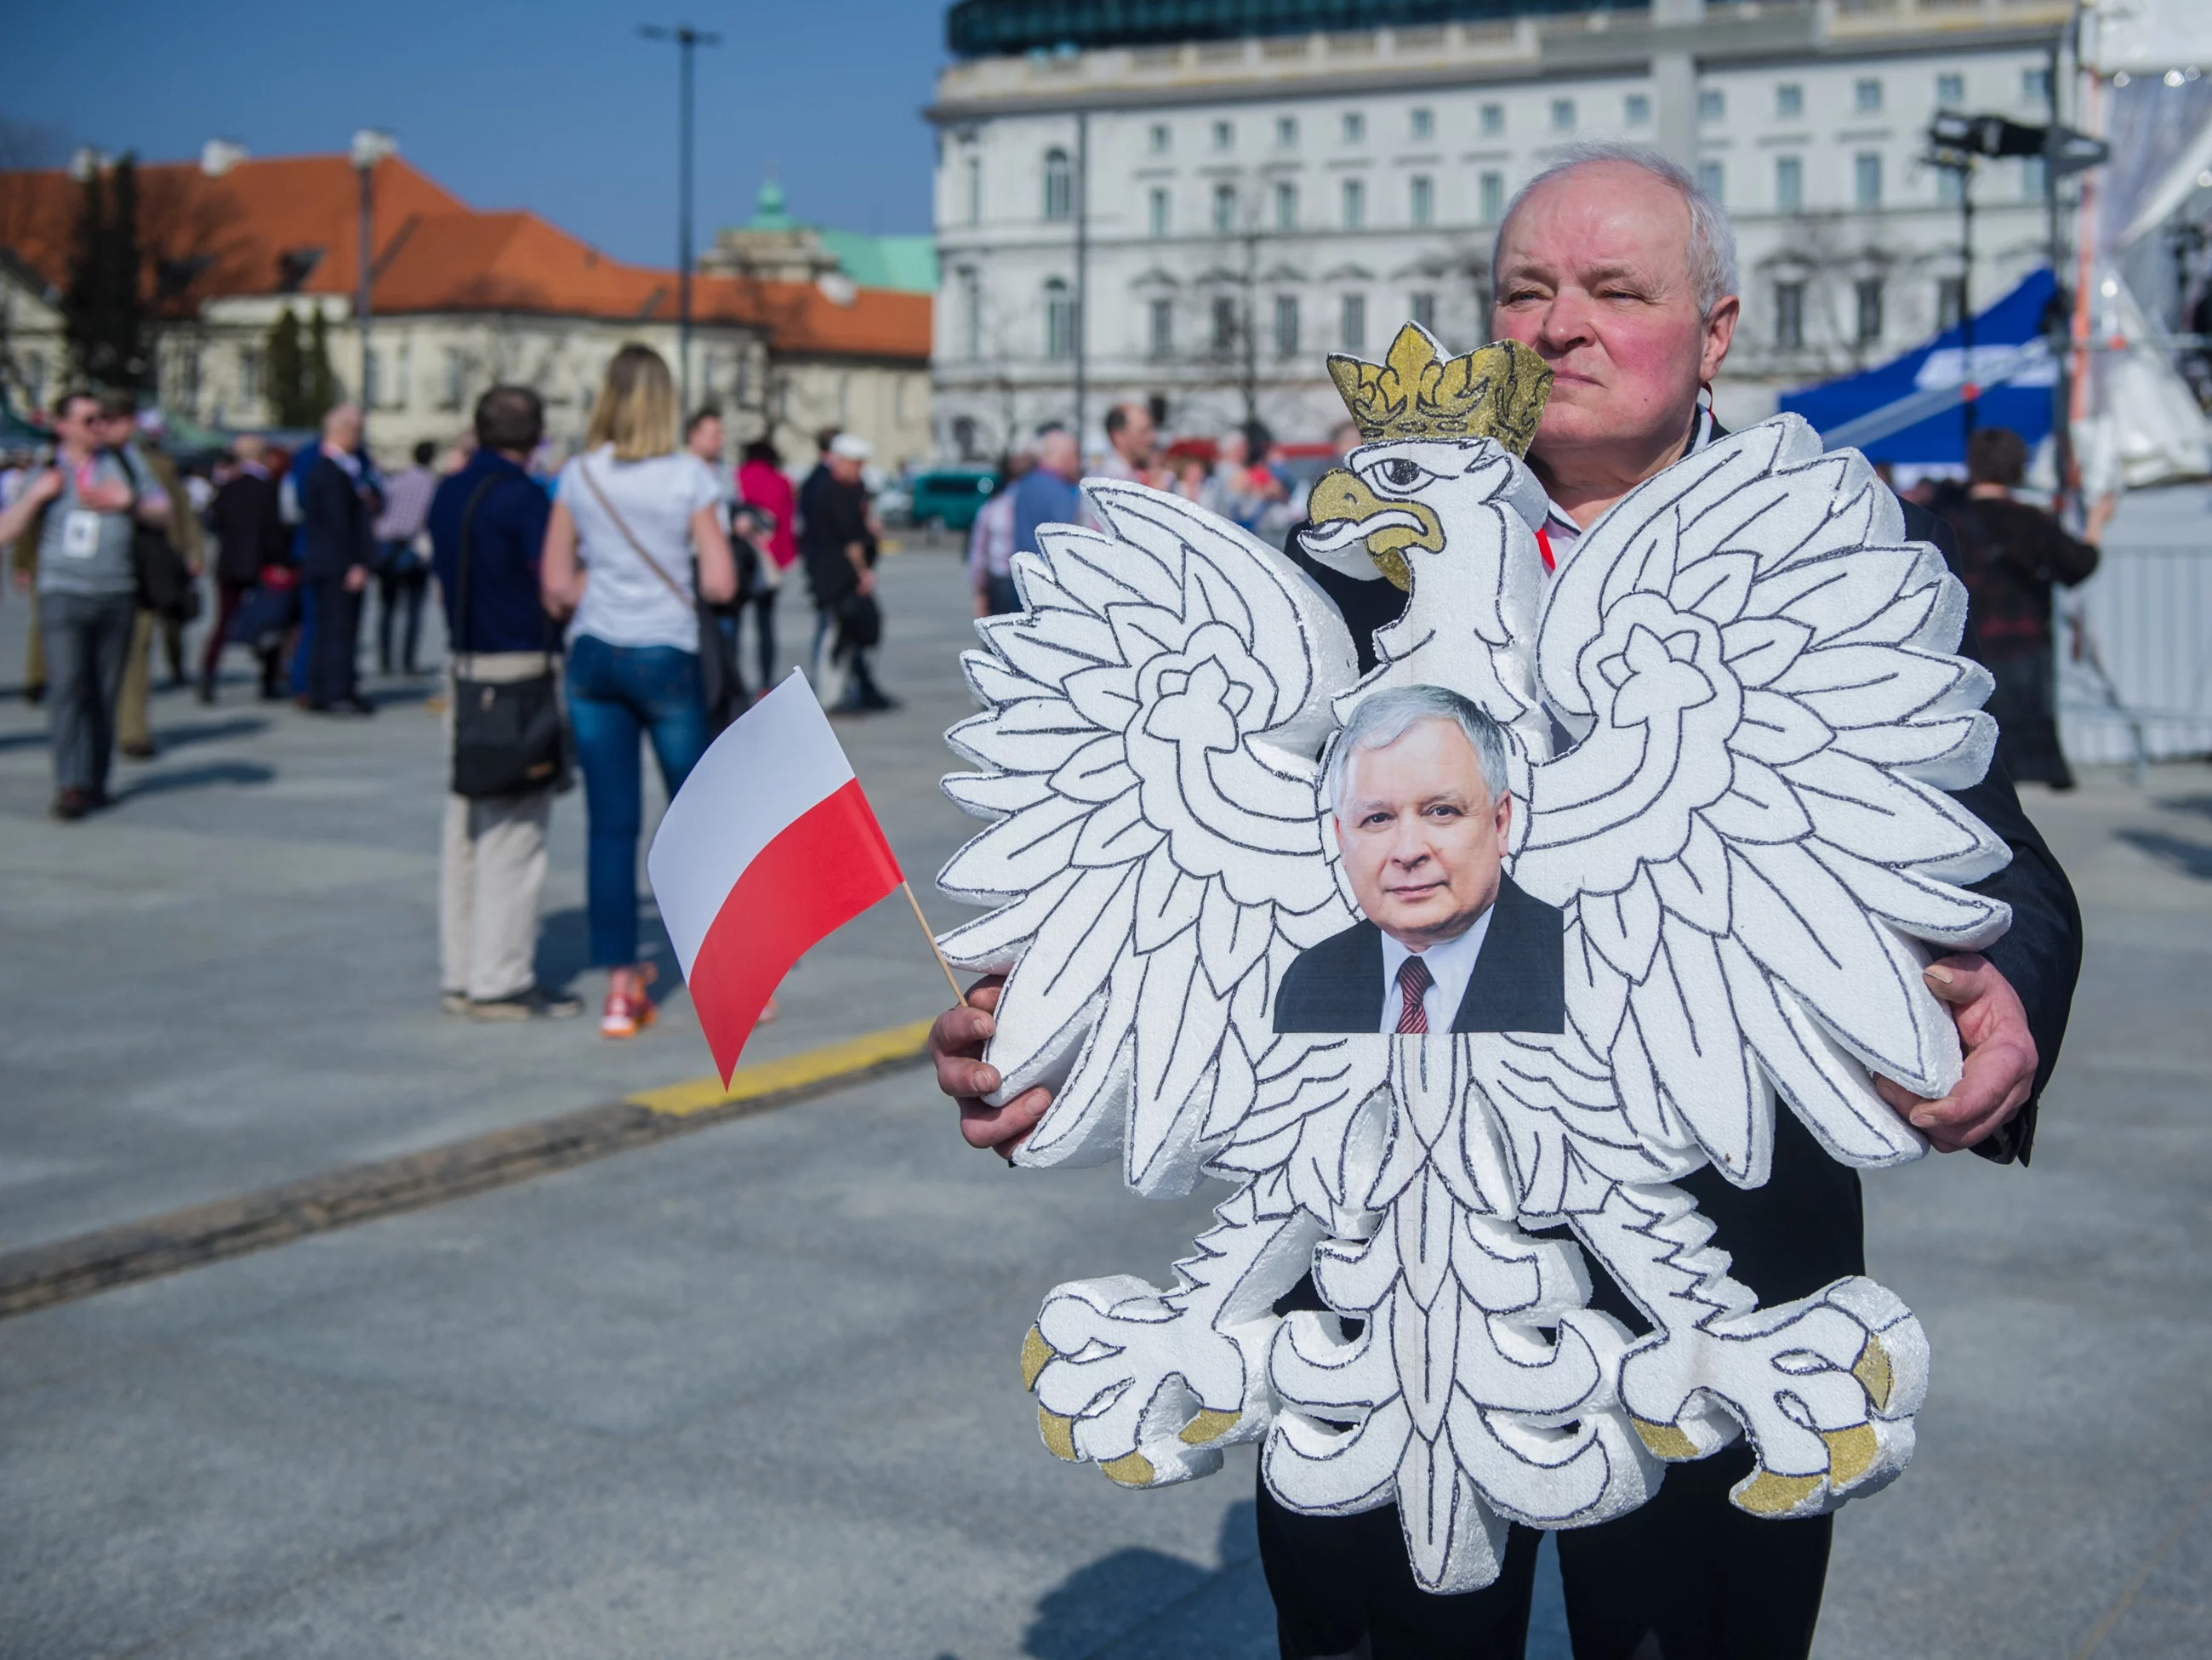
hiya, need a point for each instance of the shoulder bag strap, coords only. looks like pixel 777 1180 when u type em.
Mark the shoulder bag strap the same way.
pixel 584 471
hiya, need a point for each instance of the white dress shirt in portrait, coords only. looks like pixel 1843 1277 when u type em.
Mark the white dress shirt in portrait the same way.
pixel 1451 965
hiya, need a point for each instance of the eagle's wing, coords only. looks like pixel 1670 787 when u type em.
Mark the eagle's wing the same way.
pixel 1749 835
pixel 1153 717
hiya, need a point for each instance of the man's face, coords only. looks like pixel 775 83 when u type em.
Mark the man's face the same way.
pixel 117 430
pixel 845 468
pixel 1422 842
pixel 1593 273
pixel 1059 456
pixel 1136 441
pixel 78 421
pixel 343 431
pixel 707 439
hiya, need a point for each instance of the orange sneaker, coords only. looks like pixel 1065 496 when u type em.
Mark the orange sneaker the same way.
pixel 629 1011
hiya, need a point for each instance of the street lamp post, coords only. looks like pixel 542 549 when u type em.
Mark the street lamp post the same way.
pixel 370 145
pixel 685 37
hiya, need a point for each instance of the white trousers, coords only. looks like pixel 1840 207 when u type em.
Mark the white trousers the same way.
pixel 493 870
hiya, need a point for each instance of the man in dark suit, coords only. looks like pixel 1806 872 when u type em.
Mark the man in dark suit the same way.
pixel 1446 942
pixel 1621 274
pixel 338 508
pixel 249 535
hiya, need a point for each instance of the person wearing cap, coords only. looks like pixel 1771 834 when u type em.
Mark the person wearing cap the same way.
pixel 838 541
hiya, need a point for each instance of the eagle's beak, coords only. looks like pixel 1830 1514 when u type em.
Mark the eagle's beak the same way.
pixel 1345 513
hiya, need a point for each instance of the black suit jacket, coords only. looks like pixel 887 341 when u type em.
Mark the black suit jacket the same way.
pixel 337 521
pixel 1804 1228
pixel 248 529
pixel 1519 982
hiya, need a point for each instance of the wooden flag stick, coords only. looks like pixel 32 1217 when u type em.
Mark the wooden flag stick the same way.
pixel 932 938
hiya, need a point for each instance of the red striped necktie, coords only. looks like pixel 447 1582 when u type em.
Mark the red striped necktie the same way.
pixel 1413 982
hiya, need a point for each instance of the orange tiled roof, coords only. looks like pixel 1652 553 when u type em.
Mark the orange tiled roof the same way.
pixel 289 225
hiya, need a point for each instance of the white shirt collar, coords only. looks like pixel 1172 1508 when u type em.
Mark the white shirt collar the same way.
pixel 1451 965
pixel 1562 533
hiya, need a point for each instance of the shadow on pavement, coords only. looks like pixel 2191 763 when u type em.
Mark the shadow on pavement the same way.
pixel 2192 859
pixel 2199 805
pixel 564 949
pixel 234 773
pixel 1109 1602
pixel 213 732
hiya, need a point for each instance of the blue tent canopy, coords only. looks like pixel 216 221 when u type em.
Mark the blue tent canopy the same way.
pixel 1908 410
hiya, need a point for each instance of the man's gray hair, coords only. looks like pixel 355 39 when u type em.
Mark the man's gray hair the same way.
pixel 1387 716
pixel 1712 253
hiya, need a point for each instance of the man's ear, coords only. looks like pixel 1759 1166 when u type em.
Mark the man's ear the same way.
pixel 1503 819
pixel 1720 334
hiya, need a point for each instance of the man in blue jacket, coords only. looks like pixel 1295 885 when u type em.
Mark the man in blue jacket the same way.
pixel 497 629
pixel 337 510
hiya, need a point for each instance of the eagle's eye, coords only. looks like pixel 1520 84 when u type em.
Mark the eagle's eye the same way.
pixel 1402 472
pixel 1398 474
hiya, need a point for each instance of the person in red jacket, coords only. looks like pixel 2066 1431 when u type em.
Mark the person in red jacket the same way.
pixel 763 486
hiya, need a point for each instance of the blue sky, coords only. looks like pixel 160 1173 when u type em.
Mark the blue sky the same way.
pixel 557 106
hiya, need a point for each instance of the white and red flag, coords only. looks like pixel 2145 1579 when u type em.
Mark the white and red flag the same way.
pixel 769 847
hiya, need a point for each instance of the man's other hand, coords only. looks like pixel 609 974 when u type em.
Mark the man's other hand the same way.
pixel 106 498
pixel 2000 1057
pixel 956 1047
pixel 356 578
pixel 47 486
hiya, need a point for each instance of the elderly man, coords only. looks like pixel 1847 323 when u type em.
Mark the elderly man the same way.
pixel 338 508
pixel 1131 439
pixel 1446 940
pixel 1621 274
pixel 1047 493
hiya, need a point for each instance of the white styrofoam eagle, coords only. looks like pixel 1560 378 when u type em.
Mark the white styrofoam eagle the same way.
pixel 1752 675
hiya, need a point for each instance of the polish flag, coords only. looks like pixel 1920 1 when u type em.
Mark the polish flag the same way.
pixel 769 847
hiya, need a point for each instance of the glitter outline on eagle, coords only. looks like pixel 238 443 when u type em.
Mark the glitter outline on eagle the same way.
pixel 1749 677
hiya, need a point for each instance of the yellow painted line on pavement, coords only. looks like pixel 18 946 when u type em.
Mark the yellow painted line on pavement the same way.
pixel 804 1070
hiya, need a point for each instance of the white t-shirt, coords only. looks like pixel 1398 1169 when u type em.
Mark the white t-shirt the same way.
pixel 624 603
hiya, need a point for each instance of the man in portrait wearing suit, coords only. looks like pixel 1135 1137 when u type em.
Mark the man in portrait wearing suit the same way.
pixel 1446 942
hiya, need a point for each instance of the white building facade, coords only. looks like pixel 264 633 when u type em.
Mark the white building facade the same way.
pixel 1196 224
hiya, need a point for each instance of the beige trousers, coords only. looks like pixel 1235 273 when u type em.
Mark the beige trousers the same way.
pixel 134 725
pixel 493 869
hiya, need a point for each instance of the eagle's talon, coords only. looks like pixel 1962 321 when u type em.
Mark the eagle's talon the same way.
pixel 1059 1435
pixel 1036 1354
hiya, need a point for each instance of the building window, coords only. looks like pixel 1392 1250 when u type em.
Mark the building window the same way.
pixel 1059 320
pixel 2034 179
pixel 1159 339
pixel 1788 101
pixel 1950 302
pixel 1425 122
pixel 974 172
pixel 403 375
pixel 1059 185
pixel 1286 326
pixel 1286 130
pixel 1158 138
pixel 1225 135
pixel 965 436
pixel 1494 198
pixel 1636 109
pixel 1790 315
pixel 1868 295
pixel 1950 186
pixel 1713 179
pixel 2035 86
pixel 1157 212
pixel 1352 331
pixel 971 316
pixel 1224 326
pixel 1866 95
pixel 1423 305
pixel 1421 199
pixel 249 374
pixel 1865 173
pixel 1286 206
pixel 1712 105
pixel 1563 115
pixel 1355 127
pixel 1224 206
pixel 1493 120
pixel 457 378
pixel 1788 184
pixel 1950 92
pixel 372 380
pixel 1355 203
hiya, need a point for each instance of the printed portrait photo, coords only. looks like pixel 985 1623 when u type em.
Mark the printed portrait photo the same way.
pixel 1421 808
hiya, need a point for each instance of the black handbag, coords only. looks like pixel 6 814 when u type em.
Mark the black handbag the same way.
pixel 509 735
pixel 166 586
pixel 860 622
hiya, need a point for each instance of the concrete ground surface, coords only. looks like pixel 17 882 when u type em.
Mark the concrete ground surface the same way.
pixel 753 1391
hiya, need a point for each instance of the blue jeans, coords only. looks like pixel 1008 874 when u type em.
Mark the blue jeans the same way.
pixel 613 692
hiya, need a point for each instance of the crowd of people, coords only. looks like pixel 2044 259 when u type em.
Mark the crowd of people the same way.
pixel 619 588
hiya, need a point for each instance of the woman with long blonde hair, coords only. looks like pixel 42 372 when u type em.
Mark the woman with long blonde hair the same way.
pixel 628 514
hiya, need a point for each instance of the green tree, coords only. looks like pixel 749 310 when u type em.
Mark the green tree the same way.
pixel 281 366
pixel 103 306
pixel 301 387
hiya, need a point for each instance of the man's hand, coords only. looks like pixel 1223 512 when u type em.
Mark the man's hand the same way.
pixel 867 583
pixel 106 498
pixel 356 578
pixel 47 486
pixel 2000 1057
pixel 955 1045
pixel 982 605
